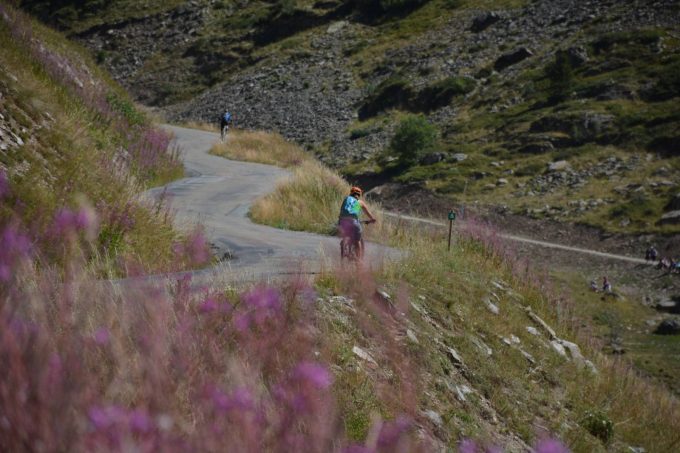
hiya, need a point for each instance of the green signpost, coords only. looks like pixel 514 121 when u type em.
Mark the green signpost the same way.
pixel 452 217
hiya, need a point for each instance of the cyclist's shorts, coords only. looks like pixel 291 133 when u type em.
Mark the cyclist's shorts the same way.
pixel 350 227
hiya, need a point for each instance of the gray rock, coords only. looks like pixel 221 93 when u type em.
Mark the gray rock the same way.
pixel 501 182
pixel 336 26
pixel 557 346
pixel 434 417
pixel 412 336
pixel 363 355
pixel 454 356
pixel 669 326
pixel 491 307
pixel 549 330
pixel 512 58
pixel 559 165
pixel 670 218
pixel 533 331
pixel 458 157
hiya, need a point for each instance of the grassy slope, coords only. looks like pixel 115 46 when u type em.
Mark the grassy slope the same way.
pixel 68 153
pixel 439 296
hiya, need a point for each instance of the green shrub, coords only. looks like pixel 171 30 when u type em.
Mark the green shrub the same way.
pixel 413 138
pixel 561 75
pixel 124 106
pixel 667 85
pixel 599 425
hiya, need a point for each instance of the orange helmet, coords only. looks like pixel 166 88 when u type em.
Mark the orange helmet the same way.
pixel 356 191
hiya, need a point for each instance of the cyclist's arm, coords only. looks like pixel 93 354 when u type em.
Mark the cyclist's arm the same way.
pixel 366 211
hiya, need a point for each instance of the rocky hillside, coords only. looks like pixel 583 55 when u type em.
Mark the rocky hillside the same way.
pixel 555 109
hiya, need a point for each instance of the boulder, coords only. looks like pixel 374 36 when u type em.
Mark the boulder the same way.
pixel 669 326
pixel 512 58
pixel 432 158
pixel 674 204
pixel 670 218
pixel 559 165
pixel 458 157
pixel 484 21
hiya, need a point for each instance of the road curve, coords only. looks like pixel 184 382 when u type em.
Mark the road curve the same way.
pixel 218 193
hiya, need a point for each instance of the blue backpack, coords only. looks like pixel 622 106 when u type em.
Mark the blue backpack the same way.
pixel 227 117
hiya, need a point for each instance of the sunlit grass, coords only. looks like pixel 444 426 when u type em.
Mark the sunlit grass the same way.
pixel 262 147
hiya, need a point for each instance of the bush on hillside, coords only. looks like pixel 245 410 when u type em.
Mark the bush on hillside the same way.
pixel 561 75
pixel 414 137
pixel 667 85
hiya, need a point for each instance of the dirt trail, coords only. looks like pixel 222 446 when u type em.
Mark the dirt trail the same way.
pixel 525 240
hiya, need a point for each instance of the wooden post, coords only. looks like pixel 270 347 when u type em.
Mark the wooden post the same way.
pixel 450 229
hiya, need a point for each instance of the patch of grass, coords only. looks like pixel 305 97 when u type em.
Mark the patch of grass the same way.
pixel 308 201
pixel 262 147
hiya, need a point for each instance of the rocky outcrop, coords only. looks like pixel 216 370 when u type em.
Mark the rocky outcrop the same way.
pixel 668 327
pixel 512 58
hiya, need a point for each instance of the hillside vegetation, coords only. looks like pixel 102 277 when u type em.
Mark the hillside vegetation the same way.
pixel 75 153
pixel 479 344
pixel 551 109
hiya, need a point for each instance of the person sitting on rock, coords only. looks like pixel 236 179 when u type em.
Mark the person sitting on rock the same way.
pixel 606 286
pixel 593 286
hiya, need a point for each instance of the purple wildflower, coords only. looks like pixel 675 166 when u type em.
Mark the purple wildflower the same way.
pixel 102 336
pixel 208 306
pixel 467 446
pixel 240 399
pixel 313 373
pixel 358 449
pixel 550 446
pixel 140 421
pixel 392 432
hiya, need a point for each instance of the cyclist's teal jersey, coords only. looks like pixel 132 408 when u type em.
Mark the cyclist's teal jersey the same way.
pixel 350 207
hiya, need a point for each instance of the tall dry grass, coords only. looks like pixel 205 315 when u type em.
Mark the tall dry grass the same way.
pixel 263 147
pixel 309 200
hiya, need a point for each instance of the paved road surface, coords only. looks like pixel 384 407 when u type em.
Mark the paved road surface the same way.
pixel 218 193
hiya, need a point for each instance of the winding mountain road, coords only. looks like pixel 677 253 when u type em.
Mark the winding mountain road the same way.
pixel 218 193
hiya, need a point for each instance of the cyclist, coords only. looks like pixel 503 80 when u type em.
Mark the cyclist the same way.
pixel 348 222
pixel 225 122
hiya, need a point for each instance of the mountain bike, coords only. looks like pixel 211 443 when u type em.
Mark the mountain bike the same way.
pixel 224 131
pixel 351 248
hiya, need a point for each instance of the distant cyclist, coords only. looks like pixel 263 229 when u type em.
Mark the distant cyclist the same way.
pixel 348 223
pixel 225 122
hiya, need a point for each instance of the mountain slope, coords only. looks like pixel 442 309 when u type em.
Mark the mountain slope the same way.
pixel 590 87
